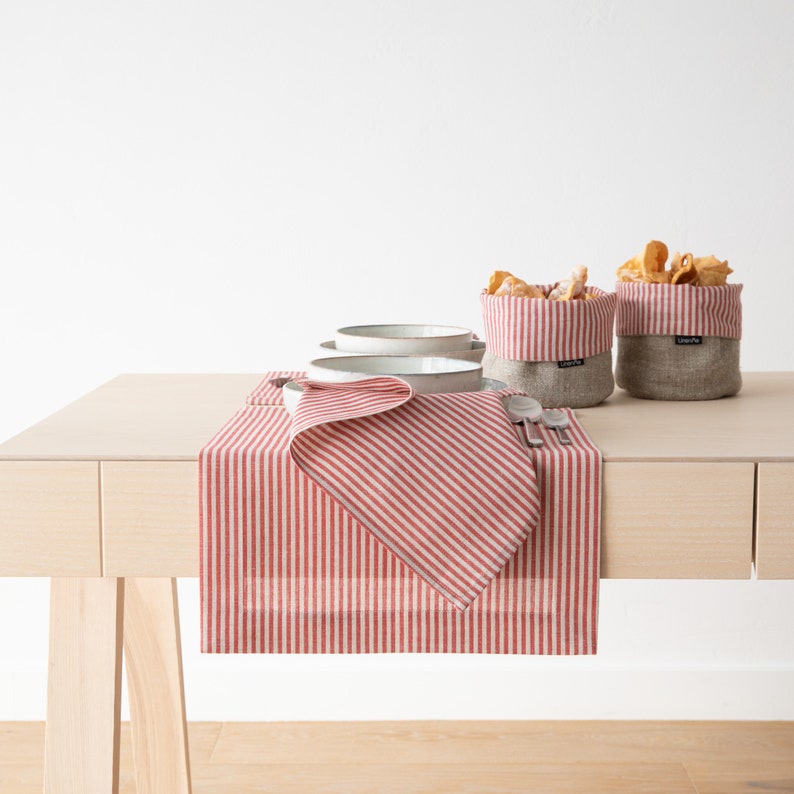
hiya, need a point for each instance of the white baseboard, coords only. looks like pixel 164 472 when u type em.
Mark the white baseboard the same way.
pixel 458 694
pixel 598 694
pixel 667 650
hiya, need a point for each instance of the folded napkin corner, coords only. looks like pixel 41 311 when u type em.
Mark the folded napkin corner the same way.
pixel 433 477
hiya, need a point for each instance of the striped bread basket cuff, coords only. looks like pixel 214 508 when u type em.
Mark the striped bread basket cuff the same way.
pixel 678 309
pixel 529 329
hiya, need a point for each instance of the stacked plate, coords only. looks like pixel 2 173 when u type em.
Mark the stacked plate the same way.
pixel 405 340
pixel 431 358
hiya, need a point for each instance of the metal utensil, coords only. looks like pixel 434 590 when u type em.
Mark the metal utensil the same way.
pixel 553 417
pixel 526 410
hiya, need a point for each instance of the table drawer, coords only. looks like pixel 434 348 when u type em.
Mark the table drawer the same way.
pixel 150 524
pixel 774 539
pixel 660 520
pixel 49 518
pixel 677 520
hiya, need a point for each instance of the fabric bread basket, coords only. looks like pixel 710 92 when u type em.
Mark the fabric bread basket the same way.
pixel 559 351
pixel 677 341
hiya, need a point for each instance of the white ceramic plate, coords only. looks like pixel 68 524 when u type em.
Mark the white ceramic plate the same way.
pixel 474 353
pixel 292 391
pixel 426 374
pixel 402 339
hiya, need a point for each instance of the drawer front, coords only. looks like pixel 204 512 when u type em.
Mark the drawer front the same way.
pixel 660 520
pixel 49 518
pixel 677 520
pixel 774 540
pixel 150 518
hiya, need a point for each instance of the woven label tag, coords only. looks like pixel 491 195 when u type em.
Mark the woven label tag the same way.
pixel 689 340
pixel 571 362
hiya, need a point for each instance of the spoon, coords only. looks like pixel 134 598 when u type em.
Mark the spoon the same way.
pixel 527 410
pixel 553 417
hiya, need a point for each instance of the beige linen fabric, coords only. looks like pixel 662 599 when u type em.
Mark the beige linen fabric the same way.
pixel 554 386
pixel 656 368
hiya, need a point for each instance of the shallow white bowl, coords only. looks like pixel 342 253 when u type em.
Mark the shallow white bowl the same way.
pixel 426 374
pixel 291 394
pixel 474 353
pixel 292 391
pixel 402 339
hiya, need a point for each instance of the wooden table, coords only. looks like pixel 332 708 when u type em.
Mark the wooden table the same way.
pixel 103 497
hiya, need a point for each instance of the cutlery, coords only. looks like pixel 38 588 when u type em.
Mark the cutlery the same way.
pixel 526 410
pixel 553 417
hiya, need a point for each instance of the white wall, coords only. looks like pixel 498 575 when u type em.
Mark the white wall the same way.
pixel 216 186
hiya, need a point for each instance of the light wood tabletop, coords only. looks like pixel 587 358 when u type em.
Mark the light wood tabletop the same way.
pixel 102 496
pixel 170 417
pixel 691 489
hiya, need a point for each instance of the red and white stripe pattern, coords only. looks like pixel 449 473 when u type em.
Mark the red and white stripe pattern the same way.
pixel 284 568
pixel 323 402
pixel 269 391
pixel 530 329
pixel 440 479
pixel 678 309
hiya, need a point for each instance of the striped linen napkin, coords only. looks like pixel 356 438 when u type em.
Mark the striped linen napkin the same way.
pixel 285 568
pixel 440 479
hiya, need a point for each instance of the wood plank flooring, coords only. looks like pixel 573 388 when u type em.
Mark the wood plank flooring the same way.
pixel 456 757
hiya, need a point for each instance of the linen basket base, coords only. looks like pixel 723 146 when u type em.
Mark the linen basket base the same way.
pixel 576 384
pixel 657 368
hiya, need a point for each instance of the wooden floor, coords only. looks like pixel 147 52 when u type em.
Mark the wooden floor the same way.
pixel 456 757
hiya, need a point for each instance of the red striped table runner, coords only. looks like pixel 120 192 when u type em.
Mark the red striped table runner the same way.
pixel 268 391
pixel 286 568
pixel 531 329
pixel 678 309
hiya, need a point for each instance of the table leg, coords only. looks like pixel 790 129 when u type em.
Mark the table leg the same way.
pixel 84 687
pixel 153 657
